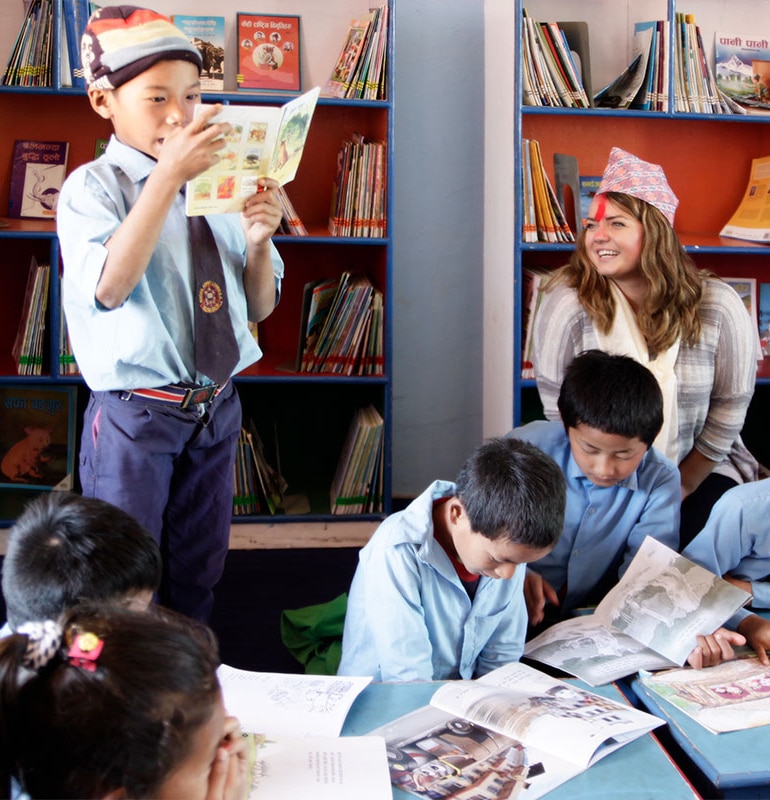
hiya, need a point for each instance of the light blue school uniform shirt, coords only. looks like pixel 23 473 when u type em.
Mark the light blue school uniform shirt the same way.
pixel 147 341
pixel 736 539
pixel 603 526
pixel 410 618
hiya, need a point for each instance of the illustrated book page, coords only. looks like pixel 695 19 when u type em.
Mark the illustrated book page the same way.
pixel 37 175
pixel 269 52
pixel 742 62
pixel 662 602
pixel 515 730
pixel 289 705
pixel 731 696
pixel 263 141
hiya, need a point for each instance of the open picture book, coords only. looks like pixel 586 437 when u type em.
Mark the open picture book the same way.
pixel 513 732
pixel 263 142
pixel 649 620
pixel 731 696
pixel 292 723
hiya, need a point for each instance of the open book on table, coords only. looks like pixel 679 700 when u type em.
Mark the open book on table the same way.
pixel 263 142
pixel 293 724
pixel 515 730
pixel 731 696
pixel 648 621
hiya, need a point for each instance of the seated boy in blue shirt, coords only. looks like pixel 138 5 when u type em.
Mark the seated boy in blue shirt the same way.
pixel 437 594
pixel 620 489
pixel 735 543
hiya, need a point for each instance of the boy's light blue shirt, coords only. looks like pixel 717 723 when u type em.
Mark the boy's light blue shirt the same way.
pixel 410 618
pixel 736 539
pixel 603 526
pixel 147 341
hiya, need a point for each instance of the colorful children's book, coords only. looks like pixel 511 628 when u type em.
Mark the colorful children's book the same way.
pixel 37 175
pixel 743 68
pixel 263 141
pixel 340 80
pixel 750 220
pixel 269 52
pixel 207 33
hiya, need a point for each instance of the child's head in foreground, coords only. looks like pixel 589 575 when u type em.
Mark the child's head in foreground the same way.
pixel 612 410
pixel 110 702
pixel 65 549
pixel 142 73
pixel 511 507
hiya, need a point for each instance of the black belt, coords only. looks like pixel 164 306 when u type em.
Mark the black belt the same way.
pixel 177 395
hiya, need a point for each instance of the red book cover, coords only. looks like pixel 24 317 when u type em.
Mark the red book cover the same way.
pixel 269 52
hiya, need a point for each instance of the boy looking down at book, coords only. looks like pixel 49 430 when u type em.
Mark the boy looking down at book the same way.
pixel 735 543
pixel 437 593
pixel 620 489
pixel 65 549
pixel 158 305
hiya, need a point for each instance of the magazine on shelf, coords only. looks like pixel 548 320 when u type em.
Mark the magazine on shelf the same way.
pixel 269 52
pixel 263 141
pixel 624 91
pixel 514 731
pixel 648 621
pixel 293 724
pixel 742 68
pixel 731 696
pixel 751 220
pixel 207 34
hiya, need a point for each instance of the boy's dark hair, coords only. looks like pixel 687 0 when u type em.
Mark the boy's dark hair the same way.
pixel 613 394
pixel 65 549
pixel 512 489
pixel 67 731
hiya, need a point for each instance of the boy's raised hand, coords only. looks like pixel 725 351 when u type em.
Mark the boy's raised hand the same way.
pixel 191 149
pixel 538 592
pixel 262 213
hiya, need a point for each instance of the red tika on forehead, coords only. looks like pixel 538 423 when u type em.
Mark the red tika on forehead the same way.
pixel 601 207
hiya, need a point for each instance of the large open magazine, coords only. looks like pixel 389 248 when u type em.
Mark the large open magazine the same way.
pixel 650 620
pixel 513 731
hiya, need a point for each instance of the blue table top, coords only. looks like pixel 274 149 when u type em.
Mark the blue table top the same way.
pixel 640 769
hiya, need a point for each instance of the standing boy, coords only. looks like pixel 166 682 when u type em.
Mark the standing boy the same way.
pixel 620 489
pixel 160 430
pixel 437 594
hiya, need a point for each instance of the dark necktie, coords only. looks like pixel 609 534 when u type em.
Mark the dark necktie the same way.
pixel 216 350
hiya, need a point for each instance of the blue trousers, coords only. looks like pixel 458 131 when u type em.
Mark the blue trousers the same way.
pixel 171 469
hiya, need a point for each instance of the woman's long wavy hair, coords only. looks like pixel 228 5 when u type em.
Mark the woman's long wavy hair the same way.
pixel 674 284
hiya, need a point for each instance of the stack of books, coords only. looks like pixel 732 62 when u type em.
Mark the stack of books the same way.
pixel 31 60
pixel 544 219
pixel 359 71
pixel 259 487
pixel 357 487
pixel 341 330
pixel 551 75
pixel 28 347
pixel 358 205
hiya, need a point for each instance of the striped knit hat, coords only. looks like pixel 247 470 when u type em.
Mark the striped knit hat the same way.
pixel 628 174
pixel 121 42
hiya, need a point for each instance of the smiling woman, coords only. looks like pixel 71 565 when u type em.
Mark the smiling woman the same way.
pixel 631 288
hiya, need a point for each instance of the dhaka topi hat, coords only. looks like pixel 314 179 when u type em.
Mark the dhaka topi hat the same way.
pixel 121 42
pixel 628 174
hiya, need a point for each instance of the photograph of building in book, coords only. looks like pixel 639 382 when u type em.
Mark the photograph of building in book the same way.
pixel 742 67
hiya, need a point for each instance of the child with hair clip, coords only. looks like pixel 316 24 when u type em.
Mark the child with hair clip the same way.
pixel 114 703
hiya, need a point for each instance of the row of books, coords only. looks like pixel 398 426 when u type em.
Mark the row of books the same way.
pixel 359 71
pixel 357 487
pixel 31 60
pixel 552 73
pixel 259 487
pixel 27 349
pixel 543 215
pixel 358 206
pixel 341 327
